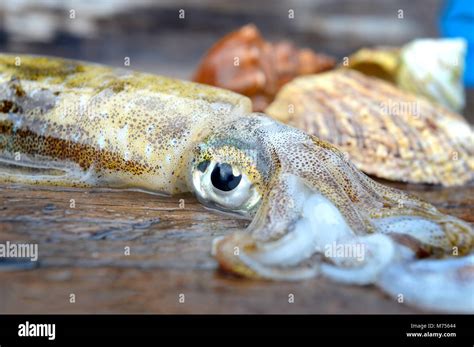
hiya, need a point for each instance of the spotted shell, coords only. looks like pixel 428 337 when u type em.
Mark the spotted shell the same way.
pixel 385 131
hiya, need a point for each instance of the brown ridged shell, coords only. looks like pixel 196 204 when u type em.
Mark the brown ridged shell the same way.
pixel 386 132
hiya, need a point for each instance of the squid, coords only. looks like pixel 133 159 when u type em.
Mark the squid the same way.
pixel 311 212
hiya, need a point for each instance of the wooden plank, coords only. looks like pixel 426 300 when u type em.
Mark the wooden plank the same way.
pixel 81 251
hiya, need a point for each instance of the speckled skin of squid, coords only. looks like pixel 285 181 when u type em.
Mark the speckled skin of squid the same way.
pixel 64 122
pixel 124 128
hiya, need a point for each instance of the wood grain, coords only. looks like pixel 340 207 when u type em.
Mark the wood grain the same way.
pixel 82 252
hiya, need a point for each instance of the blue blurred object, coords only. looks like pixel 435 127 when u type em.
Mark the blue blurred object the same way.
pixel 457 20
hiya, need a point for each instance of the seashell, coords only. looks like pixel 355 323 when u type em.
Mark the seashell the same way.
pixel 429 67
pixel 244 62
pixel 381 62
pixel 434 68
pixel 385 131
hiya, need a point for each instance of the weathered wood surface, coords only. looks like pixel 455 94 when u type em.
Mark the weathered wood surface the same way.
pixel 81 252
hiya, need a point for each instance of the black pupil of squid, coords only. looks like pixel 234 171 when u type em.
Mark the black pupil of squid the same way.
pixel 223 179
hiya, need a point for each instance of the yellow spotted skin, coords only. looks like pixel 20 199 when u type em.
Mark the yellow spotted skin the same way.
pixel 105 125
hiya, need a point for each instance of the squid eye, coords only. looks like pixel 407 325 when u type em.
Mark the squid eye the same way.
pixel 224 186
pixel 223 178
